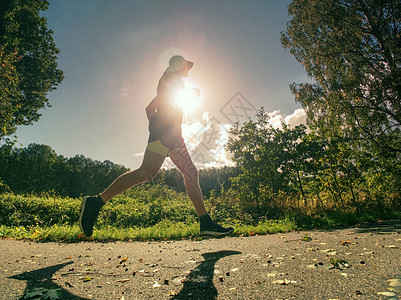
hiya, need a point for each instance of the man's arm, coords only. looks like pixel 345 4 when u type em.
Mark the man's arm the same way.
pixel 151 108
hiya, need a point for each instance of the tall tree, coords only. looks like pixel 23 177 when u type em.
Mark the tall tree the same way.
pixel 352 51
pixel 28 57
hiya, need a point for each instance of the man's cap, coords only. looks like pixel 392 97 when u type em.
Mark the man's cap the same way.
pixel 178 63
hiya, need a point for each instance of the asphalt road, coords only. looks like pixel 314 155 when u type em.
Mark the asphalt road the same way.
pixel 349 263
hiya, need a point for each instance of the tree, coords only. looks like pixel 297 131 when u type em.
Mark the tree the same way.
pixel 352 51
pixel 28 57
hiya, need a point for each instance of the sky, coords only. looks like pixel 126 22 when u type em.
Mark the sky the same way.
pixel 113 54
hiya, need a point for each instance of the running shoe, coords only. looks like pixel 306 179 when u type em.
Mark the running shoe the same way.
pixel 90 208
pixel 214 230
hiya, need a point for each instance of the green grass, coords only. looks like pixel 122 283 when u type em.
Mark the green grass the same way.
pixel 165 230
pixel 152 213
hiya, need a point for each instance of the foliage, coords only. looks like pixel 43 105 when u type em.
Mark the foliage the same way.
pixel 144 213
pixel 288 169
pixel 143 206
pixel 211 180
pixel 28 57
pixel 351 49
pixel 38 169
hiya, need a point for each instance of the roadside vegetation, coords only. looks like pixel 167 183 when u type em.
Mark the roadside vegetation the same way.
pixel 342 169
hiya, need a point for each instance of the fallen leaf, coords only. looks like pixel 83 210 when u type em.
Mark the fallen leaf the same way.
pixel 339 263
pixel 395 284
pixel 173 293
pixel 156 285
pixel 312 266
pixel 388 294
pixel 284 282
pixel 328 250
pixel 52 294
pixel 35 293
pixel 87 278
pixel 123 260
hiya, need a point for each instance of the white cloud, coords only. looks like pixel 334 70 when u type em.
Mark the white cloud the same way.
pixel 275 119
pixel 206 138
pixel 297 118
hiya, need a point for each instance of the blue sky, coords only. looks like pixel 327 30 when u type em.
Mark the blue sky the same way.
pixel 114 52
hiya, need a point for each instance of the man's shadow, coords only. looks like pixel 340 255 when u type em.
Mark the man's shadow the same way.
pixel 41 280
pixel 199 283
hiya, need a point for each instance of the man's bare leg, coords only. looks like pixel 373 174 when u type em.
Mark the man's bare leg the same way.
pixel 91 206
pixel 150 166
pixel 182 160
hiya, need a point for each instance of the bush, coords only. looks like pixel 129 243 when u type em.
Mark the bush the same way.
pixel 142 206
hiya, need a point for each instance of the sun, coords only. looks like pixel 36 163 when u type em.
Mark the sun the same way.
pixel 188 98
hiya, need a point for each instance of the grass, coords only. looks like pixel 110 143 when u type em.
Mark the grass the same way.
pixel 165 230
pixel 151 213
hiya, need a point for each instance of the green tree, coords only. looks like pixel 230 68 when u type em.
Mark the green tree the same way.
pixel 28 57
pixel 352 51
pixel 258 149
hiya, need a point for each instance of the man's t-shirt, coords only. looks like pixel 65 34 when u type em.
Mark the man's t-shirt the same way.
pixel 165 124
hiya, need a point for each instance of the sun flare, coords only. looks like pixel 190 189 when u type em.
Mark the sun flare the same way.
pixel 189 98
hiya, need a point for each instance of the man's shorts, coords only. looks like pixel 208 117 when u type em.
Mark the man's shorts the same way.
pixel 161 139
pixel 158 147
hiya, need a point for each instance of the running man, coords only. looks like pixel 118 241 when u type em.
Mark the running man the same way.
pixel 165 139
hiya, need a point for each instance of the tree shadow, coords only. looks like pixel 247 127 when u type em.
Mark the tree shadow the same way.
pixel 42 279
pixel 383 227
pixel 199 283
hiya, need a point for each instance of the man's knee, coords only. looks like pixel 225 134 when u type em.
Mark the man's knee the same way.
pixel 190 172
pixel 147 174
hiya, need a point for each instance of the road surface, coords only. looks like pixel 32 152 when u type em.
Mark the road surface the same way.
pixel 361 262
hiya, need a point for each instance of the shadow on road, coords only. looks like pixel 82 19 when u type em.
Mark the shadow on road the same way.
pixel 380 228
pixel 42 279
pixel 199 283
